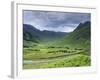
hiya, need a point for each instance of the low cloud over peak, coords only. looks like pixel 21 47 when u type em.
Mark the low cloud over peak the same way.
pixel 55 21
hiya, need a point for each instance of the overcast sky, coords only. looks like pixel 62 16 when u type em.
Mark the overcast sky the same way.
pixel 54 21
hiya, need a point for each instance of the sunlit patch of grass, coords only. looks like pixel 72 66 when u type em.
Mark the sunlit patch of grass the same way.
pixel 77 61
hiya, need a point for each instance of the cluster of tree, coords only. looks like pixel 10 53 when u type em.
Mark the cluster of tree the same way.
pixel 78 49
pixel 36 50
pixel 58 47
pixel 62 51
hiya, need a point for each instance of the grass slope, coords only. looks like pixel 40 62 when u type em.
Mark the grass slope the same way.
pixel 79 37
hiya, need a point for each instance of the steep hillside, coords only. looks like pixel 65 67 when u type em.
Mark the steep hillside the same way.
pixel 79 37
pixel 29 33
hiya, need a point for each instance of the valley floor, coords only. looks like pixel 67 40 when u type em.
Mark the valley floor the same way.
pixel 53 56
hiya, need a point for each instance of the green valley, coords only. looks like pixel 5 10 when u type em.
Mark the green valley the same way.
pixel 49 49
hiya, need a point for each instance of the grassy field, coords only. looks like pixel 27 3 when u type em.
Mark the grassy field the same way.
pixel 53 56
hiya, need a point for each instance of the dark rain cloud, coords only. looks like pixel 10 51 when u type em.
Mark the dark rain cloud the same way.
pixel 46 20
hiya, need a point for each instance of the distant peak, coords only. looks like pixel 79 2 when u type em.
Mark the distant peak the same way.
pixel 81 25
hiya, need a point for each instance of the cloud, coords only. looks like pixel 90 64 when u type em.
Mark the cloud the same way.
pixel 56 21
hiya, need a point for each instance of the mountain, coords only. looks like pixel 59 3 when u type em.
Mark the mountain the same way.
pixel 52 35
pixel 29 33
pixel 32 34
pixel 80 36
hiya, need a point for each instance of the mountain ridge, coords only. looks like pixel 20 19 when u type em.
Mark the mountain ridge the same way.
pixel 30 33
pixel 80 36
